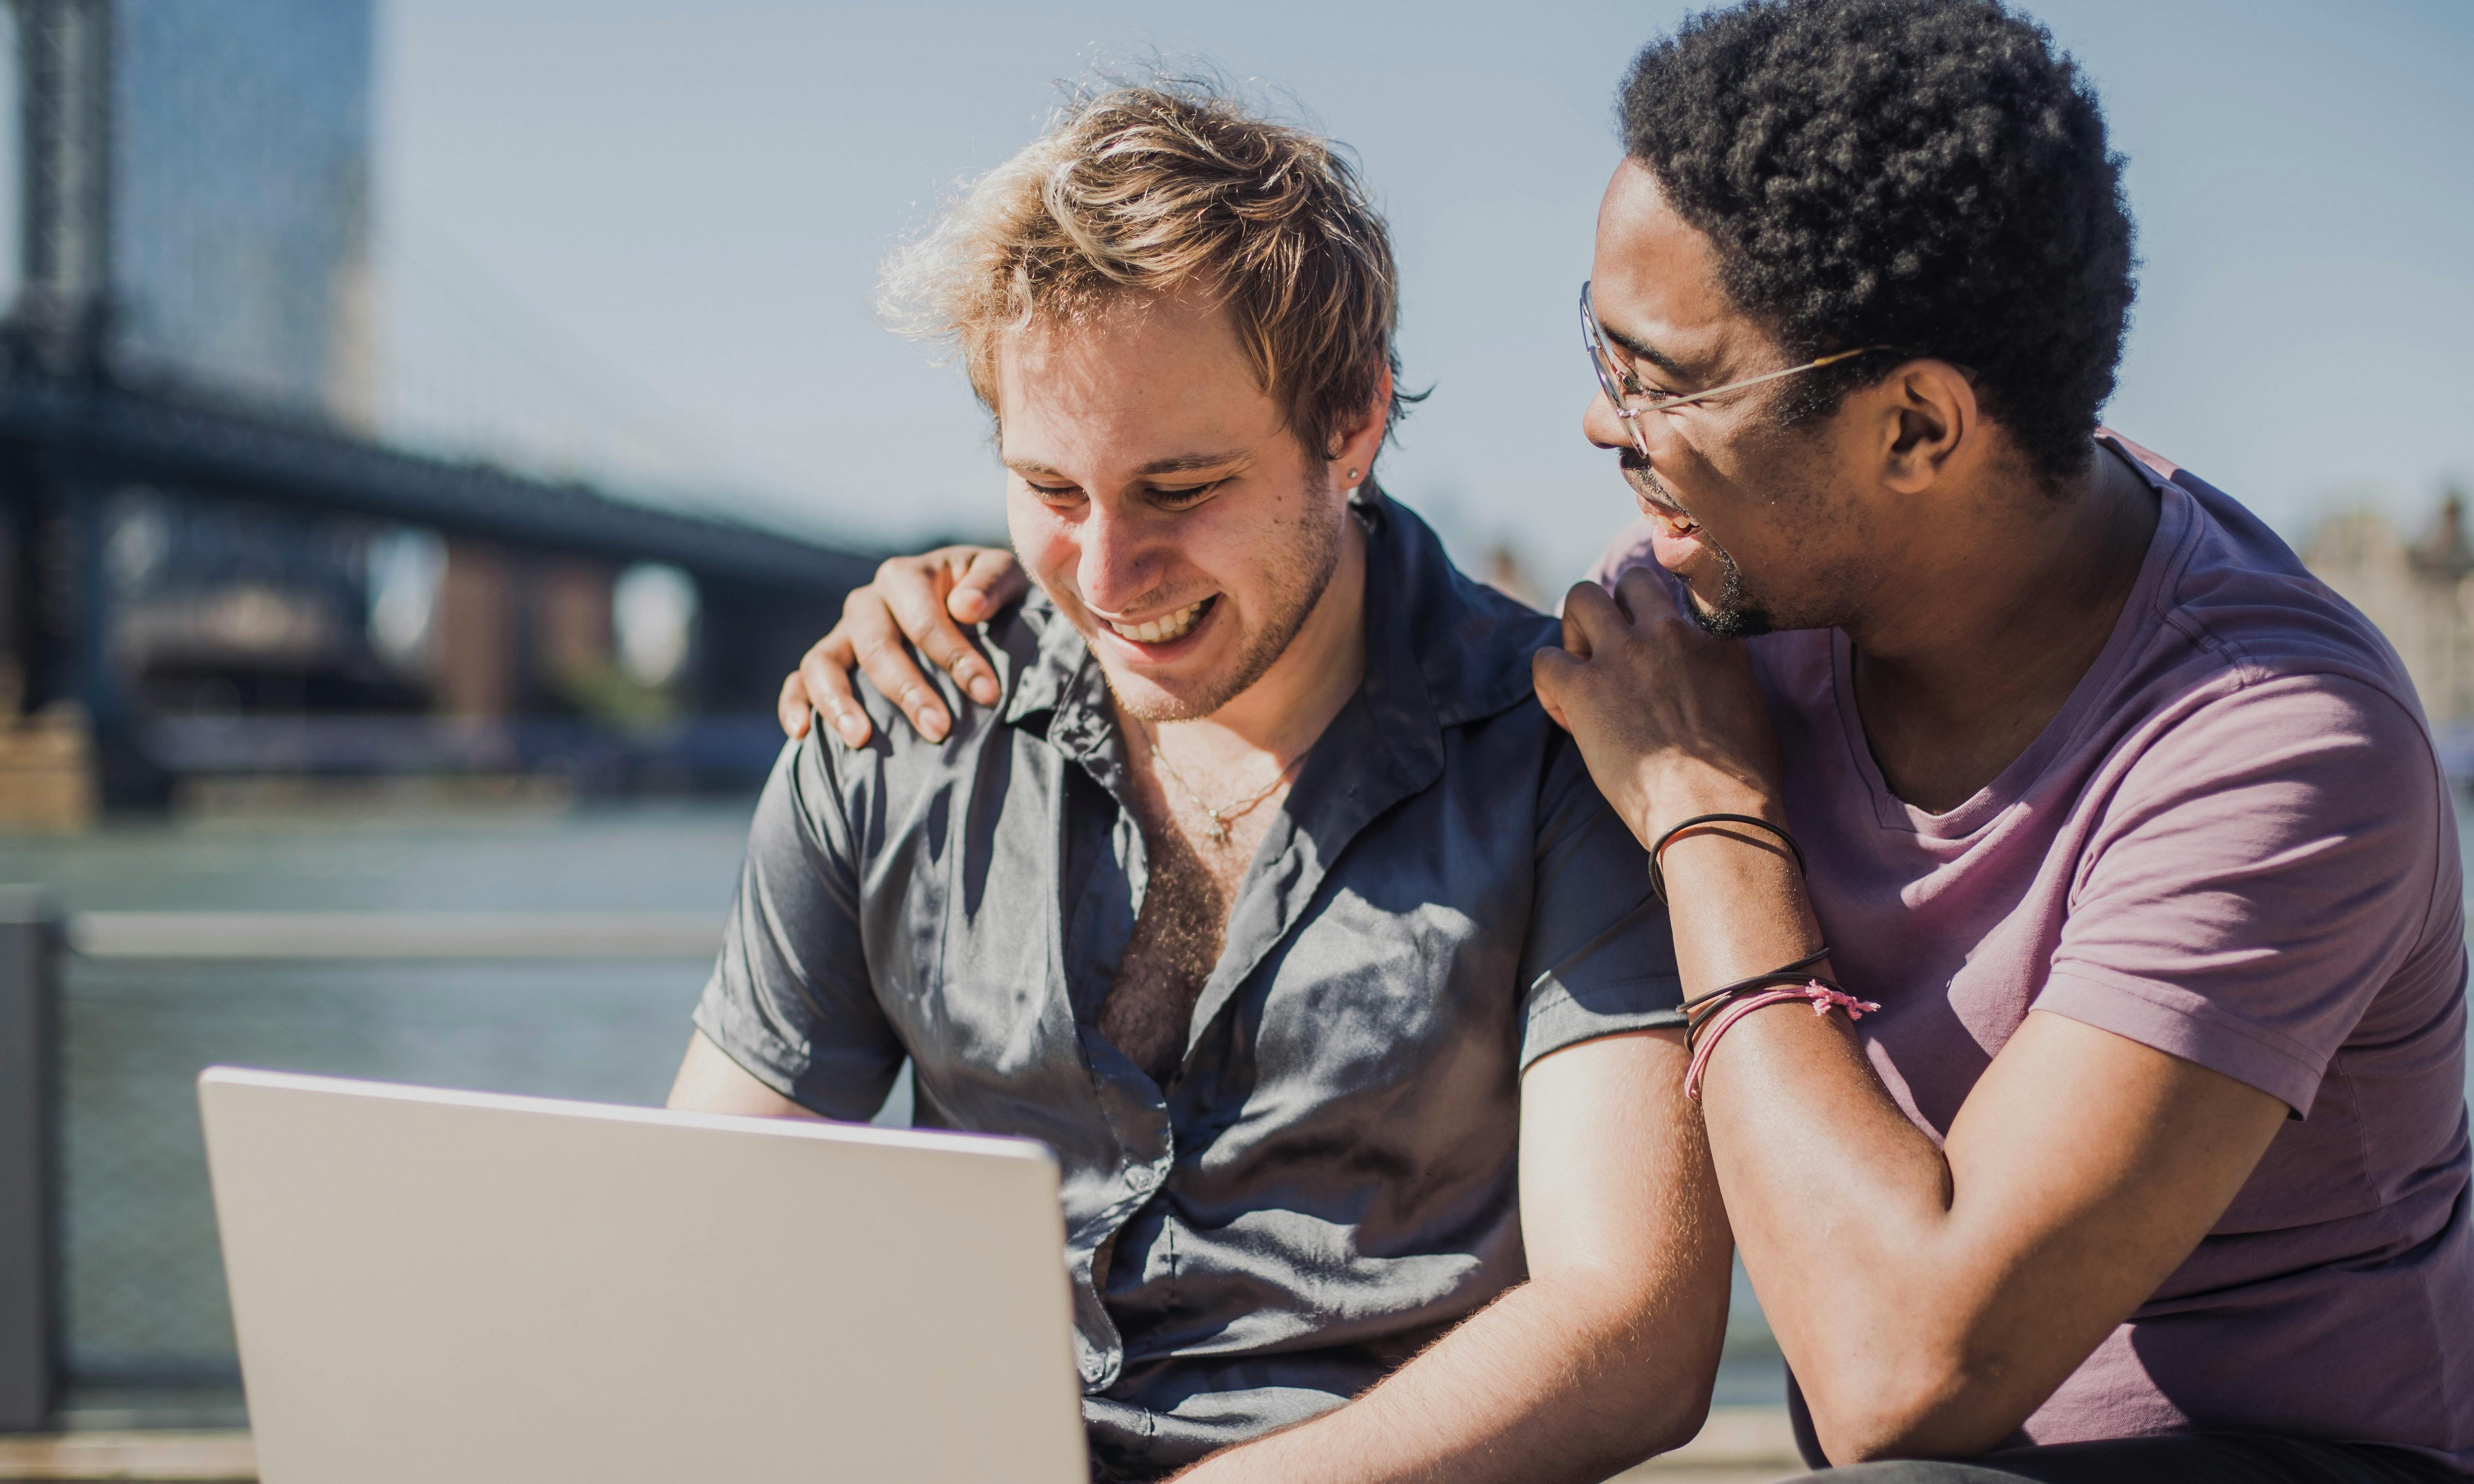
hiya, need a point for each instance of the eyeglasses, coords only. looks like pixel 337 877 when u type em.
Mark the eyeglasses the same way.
pixel 1621 386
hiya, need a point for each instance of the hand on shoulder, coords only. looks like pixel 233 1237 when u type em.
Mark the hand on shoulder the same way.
pixel 925 600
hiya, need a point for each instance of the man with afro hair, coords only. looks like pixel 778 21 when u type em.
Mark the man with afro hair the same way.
pixel 1942 706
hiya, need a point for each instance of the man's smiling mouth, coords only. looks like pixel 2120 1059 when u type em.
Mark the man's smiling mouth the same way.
pixel 1674 517
pixel 1162 630
pixel 1655 500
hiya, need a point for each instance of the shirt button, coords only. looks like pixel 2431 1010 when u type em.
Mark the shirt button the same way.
pixel 1142 1177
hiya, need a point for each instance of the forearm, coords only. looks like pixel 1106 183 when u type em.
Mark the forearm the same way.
pixel 1843 1208
pixel 1566 1377
pixel 1608 1353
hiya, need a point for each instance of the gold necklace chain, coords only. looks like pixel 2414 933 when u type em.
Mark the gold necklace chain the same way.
pixel 1224 814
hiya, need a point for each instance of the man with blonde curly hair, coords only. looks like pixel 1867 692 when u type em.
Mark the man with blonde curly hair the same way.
pixel 1261 889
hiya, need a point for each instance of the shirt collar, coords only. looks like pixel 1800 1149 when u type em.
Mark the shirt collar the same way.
pixel 1441 649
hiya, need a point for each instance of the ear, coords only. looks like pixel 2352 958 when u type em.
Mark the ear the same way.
pixel 1358 445
pixel 1926 419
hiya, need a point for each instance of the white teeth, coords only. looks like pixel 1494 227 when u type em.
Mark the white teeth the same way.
pixel 1161 630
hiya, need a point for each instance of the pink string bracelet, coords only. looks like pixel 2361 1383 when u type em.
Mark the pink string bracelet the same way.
pixel 1820 996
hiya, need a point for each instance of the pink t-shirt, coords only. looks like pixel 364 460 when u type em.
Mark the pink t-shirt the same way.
pixel 2234 845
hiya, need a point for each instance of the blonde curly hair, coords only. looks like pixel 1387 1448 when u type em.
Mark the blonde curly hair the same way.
pixel 1166 186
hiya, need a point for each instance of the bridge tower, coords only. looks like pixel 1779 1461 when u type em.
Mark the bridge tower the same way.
pixel 56 328
pixel 64 94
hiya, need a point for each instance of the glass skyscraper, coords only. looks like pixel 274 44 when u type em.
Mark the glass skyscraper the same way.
pixel 240 198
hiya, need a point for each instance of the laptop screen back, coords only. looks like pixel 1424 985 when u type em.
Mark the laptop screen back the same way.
pixel 434 1285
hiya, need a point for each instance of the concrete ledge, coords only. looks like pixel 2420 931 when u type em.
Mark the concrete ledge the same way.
pixel 187 1457
pixel 1738 1445
pixel 337 935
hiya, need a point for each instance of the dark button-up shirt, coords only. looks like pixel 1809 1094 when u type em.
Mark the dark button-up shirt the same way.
pixel 1327 1181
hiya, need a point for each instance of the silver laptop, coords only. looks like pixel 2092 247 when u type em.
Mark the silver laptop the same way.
pixel 444 1285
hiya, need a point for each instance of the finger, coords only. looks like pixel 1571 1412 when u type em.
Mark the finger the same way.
pixel 791 708
pixel 878 644
pixel 952 651
pixel 1588 613
pixel 985 578
pixel 826 672
pixel 1576 640
pixel 1547 670
pixel 915 592
pixel 1643 594
pixel 988 581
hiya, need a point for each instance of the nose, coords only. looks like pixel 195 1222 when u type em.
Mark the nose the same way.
pixel 1600 425
pixel 1118 561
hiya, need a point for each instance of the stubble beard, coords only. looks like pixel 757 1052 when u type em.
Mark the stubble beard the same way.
pixel 1826 588
pixel 1298 580
pixel 1736 614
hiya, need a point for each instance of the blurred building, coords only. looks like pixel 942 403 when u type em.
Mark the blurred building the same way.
pixel 2420 592
pixel 238 218
pixel 192 185
pixel 240 198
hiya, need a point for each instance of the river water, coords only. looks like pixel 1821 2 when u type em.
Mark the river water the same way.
pixel 142 1276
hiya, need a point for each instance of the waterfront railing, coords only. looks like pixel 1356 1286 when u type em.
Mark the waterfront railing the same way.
pixel 37 943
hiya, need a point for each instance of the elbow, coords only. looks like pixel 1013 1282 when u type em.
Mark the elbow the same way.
pixel 1913 1410
pixel 1868 1428
pixel 1672 1409
pixel 1640 1429
pixel 1677 1425
pixel 1655 1397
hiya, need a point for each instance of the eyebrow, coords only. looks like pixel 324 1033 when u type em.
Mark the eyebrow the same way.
pixel 1174 464
pixel 1643 349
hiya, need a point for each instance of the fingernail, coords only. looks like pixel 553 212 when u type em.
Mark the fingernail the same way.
pixel 931 725
pixel 853 729
pixel 967 605
pixel 984 687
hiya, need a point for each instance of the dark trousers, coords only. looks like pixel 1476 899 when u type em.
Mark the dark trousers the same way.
pixel 2185 1458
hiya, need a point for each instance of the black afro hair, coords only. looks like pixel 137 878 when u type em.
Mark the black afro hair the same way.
pixel 1930 175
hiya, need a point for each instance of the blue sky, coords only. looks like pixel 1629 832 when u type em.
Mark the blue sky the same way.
pixel 657 222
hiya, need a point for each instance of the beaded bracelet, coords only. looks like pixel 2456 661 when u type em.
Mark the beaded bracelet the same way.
pixel 1658 873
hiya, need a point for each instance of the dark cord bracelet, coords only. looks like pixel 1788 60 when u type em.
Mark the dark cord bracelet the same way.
pixel 1795 972
pixel 1658 873
pixel 1710 1008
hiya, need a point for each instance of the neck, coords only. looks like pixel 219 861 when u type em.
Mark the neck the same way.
pixel 2000 626
pixel 1283 713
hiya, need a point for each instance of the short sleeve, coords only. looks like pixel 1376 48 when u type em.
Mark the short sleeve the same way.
pixel 2264 868
pixel 791 999
pixel 1599 959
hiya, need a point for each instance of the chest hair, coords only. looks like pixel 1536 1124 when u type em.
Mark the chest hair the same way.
pixel 1184 925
